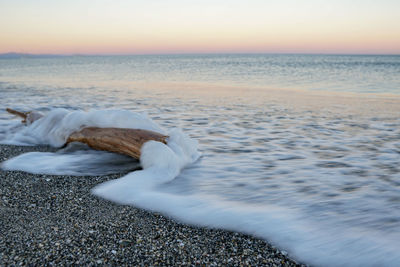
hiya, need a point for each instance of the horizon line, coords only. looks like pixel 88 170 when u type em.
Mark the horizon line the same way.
pixel 197 53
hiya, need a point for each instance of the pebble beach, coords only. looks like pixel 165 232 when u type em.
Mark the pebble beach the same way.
pixel 54 220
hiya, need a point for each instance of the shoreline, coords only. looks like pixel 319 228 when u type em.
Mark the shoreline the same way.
pixel 50 219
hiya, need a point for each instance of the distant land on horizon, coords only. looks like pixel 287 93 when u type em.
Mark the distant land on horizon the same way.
pixel 15 55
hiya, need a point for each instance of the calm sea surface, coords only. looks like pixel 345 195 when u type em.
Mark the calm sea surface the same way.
pixel 363 74
pixel 314 172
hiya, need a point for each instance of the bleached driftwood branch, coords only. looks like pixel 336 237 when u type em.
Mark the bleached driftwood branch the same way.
pixel 118 140
pixel 27 117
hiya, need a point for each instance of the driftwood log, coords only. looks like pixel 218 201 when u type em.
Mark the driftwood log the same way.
pixel 27 117
pixel 118 140
pixel 23 115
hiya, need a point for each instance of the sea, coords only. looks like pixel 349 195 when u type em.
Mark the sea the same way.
pixel 300 150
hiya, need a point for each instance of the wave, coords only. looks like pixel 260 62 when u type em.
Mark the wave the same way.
pixel 159 161
pixel 54 128
pixel 306 239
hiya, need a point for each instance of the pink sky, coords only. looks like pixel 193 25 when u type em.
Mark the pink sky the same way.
pixel 193 26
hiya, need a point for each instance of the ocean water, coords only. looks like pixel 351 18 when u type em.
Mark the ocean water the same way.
pixel 301 150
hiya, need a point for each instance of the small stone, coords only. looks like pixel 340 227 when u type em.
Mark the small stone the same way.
pixel 125 242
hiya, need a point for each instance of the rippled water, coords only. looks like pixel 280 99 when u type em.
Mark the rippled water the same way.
pixel 317 174
pixel 365 74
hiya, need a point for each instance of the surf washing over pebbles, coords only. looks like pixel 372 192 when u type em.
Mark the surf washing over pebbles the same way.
pixel 54 128
pixel 315 174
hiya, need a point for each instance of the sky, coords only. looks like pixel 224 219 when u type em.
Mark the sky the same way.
pixel 200 26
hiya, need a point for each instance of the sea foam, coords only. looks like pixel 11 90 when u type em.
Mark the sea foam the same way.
pixel 305 238
pixel 55 127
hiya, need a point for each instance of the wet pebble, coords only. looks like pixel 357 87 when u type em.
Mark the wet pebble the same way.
pixel 54 220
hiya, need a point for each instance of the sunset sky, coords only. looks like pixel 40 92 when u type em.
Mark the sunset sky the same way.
pixel 200 26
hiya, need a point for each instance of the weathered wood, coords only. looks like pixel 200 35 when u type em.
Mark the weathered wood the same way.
pixel 23 115
pixel 118 140
pixel 27 117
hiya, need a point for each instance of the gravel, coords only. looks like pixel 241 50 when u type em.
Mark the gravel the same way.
pixel 54 220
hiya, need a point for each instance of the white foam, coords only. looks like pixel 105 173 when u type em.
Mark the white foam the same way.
pixel 319 244
pixel 306 239
pixel 316 244
pixel 161 163
pixel 55 127
pixel 83 162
